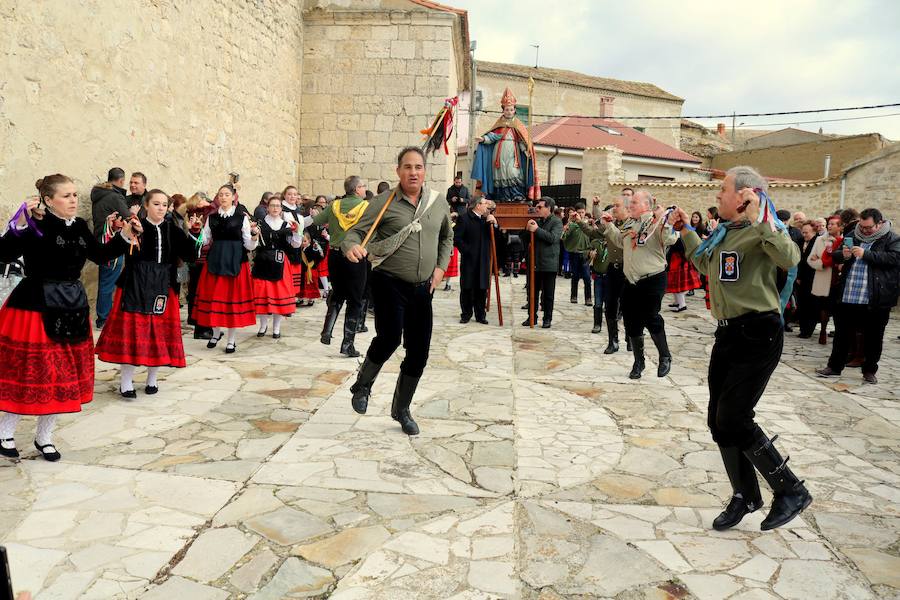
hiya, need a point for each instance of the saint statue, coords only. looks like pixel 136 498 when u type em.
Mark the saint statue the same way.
pixel 504 158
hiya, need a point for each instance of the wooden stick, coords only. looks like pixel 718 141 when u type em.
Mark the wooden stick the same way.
pixel 378 218
pixel 487 305
pixel 531 307
pixel 496 270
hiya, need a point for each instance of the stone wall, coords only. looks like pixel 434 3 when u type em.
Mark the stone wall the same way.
pixel 184 91
pixel 871 182
pixel 372 79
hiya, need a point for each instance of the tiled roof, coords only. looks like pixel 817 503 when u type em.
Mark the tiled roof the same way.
pixel 585 132
pixel 636 88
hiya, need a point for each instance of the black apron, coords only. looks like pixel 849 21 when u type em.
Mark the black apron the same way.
pixel 268 264
pixel 225 257
pixel 146 289
pixel 66 313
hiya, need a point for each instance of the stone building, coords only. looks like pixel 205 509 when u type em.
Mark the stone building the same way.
pixel 282 91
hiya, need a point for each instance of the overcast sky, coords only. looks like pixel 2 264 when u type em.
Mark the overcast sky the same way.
pixel 760 56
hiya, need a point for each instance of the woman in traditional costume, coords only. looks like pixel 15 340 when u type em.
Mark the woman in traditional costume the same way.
pixel 311 256
pixel 144 326
pixel 225 298
pixel 45 333
pixel 272 275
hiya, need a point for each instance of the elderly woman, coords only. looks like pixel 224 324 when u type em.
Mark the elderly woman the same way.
pixel 825 276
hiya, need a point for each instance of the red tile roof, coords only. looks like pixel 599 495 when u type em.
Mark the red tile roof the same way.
pixel 580 133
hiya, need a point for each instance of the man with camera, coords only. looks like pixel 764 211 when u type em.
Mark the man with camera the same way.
pixel 643 239
pixel 577 244
pixel 868 288
pixel 547 229
pixel 458 196
pixel 614 278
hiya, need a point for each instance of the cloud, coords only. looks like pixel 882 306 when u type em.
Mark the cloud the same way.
pixel 762 56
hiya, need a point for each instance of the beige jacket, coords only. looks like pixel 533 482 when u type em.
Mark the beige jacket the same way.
pixel 822 281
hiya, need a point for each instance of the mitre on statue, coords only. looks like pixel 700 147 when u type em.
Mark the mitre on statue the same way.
pixel 508 98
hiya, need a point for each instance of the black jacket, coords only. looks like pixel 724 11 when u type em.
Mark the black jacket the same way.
pixel 883 260
pixel 105 200
pixel 546 243
pixel 472 236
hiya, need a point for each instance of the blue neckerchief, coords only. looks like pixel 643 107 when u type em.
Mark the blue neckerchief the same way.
pixel 766 212
pixel 715 238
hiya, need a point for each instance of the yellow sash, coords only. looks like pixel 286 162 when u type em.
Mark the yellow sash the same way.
pixel 350 218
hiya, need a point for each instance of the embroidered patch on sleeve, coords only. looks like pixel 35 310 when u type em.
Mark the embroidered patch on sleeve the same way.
pixel 729 266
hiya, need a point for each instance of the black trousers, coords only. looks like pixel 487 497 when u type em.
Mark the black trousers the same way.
pixel 194 271
pixel 613 289
pixel 581 271
pixel 641 303
pixel 473 300
pixel 807 308
pixel 348 282
pixel 402 311
pixel 744 356
pixel 544 291
pixel 850 319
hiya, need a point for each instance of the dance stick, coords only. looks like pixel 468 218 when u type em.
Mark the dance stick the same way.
pixel 378 219
pixel 531 307
pixel 496 270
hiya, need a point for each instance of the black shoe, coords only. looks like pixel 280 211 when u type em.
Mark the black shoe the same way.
pixel 637 345
pixel 545 325
pixel 49 455
pixel 276 336
pixel 482 320
pixel 524 307
pixel 790 496
pixel 213 341
pixel 746 498
pixel 679 309
pixel 690 293
pixel 675 305
pixel 827 372
pixel 130 394
pixel 99 323
pixel 665 357
pixel 150 389
pixel 804 336
pixel 598 320
pixel 788 328
pixel 588 301
pixel 263 332
pixel 362 388
pixel 403 393
pixel 230 348
pixel 628 343
pixel 527 323
pixel 9 452
pixel 574 300
pixel 361 328
pixel 465 319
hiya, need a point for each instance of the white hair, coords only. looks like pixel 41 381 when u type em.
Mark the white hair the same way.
pixel 747 177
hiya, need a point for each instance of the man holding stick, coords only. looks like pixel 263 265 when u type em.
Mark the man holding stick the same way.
pixel 411 241
pixel 472 236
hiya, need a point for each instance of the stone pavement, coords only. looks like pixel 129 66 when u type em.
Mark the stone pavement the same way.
pixel 541 472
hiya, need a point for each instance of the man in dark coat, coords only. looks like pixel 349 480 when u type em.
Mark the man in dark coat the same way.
pixel 473 238
pixel 547 229
pixel 106 199
pixel 457 196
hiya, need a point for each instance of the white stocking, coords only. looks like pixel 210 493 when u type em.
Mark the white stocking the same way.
pixel 152 372
pixel 8 424
pixel 276 323
pixel 216 332
pixel 232 335
pixel 263 322
pixel 325 284
pixel 44 433
pixel 127 378
pixel 679 299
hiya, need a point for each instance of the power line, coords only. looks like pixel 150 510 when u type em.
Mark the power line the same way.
pixel 751 125
pixel 727 116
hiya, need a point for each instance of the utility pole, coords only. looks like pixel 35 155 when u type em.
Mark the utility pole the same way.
pixel 472 95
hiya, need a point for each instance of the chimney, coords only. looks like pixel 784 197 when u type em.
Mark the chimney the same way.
pixel 606 107
pixel 720 129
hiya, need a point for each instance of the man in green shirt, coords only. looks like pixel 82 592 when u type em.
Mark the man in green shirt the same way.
pixel 348 279
pixel 577 244
pixel 614 280
pixel 740 258
pixel 409 249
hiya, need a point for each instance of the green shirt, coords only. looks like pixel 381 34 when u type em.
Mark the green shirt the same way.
pixel 574 238
pixel 742 268
pixel 647 256
pixel 416 259
pixel 326 217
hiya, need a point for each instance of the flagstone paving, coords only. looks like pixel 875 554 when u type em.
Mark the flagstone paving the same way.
pixel 542 472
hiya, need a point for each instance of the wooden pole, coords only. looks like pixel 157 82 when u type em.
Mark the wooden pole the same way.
pixel 378 218
pixel 487 306
pixel 531 308
pixel 496 270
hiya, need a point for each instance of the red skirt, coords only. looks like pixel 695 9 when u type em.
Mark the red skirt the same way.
pixel 276 297
pixel 453 266
pixel 322 267
pixel 309 290
pixel 130 338
pixel 297 278
pixel 37 375
pixel 683 277
pixel 224 301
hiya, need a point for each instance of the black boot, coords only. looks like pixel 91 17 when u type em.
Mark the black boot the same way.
pixel 347 348
pixel 628 343
pixel 746 498
pixel 403 393
pixel 612 330
pixel 637 345
pixel 363 386
pixel 331 316
pixel 665 357
pixel 598 320
pixel 361 323
pixel 790 496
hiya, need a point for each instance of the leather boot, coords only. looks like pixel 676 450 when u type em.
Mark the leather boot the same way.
pixel 612 330
pixel 347 348
pixel 746 498
pixel 331 316
pixel 665 357
pixel 790 496
pixel 628 343
pixel 362 388
pixel 403 393
pixel 361 322
pixel 637 346
pixel 598 320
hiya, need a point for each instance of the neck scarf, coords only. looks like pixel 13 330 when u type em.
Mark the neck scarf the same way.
pixel 350 218
pixel 766 215
pixel 872 237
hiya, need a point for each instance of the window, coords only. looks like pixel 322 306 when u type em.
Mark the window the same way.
pixel 641 129
pixel 608 130
pixel 522 113
pixel 573 175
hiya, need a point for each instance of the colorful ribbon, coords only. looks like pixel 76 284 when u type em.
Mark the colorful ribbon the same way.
pixel 14 222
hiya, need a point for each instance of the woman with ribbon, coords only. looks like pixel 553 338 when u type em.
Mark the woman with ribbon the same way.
pixel 225 291
pixel 45 334
pixel 144 325
pixel 272 275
